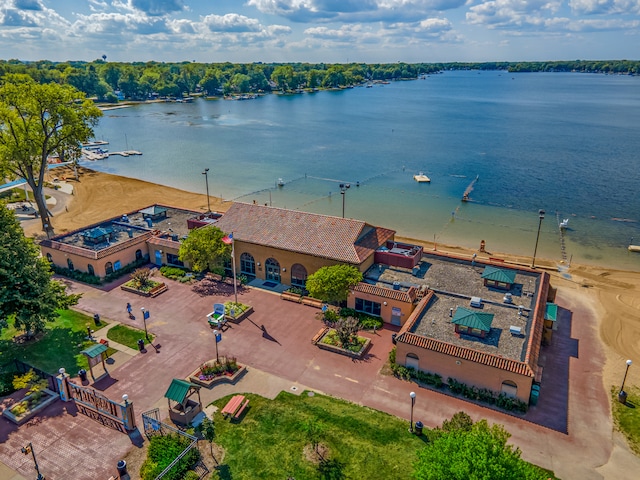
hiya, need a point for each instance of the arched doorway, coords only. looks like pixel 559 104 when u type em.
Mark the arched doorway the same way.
pixel 70 264
pixel 49 258
pixel 509 388
pixel 412 361
pixel 91 270
pixel 247 264
pixel 298 275
pixel 138 254
pixel 108 268
pixel 272 268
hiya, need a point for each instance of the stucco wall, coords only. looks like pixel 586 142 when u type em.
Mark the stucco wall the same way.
pixel 385 310
pixel 471 373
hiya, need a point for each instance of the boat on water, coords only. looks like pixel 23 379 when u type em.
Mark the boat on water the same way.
pixel 421 178
pixel 280 182
pixel 564 223
pixel 634 248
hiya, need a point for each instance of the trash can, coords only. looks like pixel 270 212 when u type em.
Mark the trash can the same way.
pixel 393 338
pixel 96 319
pixel 82 373
pixel 622 396
pixel 418 428
pixel 122 468
pixel 141 344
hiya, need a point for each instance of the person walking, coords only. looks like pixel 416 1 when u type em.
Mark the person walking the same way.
pixel 129 310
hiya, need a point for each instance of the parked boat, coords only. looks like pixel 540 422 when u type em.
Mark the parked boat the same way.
pixel 421 178
pixel 280 182
pixel 564 223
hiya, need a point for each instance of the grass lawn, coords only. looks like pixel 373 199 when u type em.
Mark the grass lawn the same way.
pixel 59 346
pixel 127 336
pixel 627 417
pixel 269 441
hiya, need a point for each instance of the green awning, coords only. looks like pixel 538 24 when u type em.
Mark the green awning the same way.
pixel 178 390
pixel 499 274
pixel 95 350
pixel 551 312
pixel 472 319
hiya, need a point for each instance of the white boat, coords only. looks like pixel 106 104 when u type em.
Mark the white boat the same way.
pixel 421 178
pixel 280 182
pixel 564 223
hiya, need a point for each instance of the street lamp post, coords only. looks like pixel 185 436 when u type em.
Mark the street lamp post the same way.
pixel 145 316
pixel 215 336
pixel 413 402
pixel 622 395
pixel 29 450
pixel 535 250
pixel 343 191
pixel 206 181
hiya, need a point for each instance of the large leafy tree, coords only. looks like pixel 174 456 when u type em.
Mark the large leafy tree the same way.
pixel 203 249
pixel 37 120
pixel 462 450
pixel 332 284
pixel 28 295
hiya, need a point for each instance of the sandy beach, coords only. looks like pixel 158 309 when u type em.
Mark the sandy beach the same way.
pixel 613 295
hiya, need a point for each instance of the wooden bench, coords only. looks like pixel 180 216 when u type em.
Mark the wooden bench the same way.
pixel 292 297
pixel 312 302
pixel 319 335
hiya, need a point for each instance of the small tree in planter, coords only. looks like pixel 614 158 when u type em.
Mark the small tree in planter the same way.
pixel 141 279
pixel 347 330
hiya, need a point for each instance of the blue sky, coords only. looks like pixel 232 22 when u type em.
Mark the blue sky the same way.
pixel 332 31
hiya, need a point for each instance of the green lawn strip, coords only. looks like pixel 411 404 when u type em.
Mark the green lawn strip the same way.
pixel 60 345
pixel 627 417
pixel 127 336
pixel 269 441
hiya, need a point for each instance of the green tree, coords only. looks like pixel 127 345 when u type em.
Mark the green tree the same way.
pixel 470 453
pixel 347 330
pixel 28 295
pixel 203 249
pixel 208 430
pixel 332 284
pixel 36 121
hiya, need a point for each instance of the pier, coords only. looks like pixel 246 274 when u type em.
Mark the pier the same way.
pixel 563 248
pixel 465 195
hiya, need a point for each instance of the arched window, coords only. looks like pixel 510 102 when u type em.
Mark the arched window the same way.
pixel 298 275
pixel 509 388
pixel 49 258
pixel 138 254
pixel 247 264
pixel 70 264
pixel 412 361
pixel 108 268
pixel 90 270
pixel 272 268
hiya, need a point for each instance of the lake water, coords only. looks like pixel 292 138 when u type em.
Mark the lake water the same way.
pixel 559 142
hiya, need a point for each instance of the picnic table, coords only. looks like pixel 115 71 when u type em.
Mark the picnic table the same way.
pixel 235 406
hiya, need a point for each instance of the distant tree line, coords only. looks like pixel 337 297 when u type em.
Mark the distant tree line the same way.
pixel 111 81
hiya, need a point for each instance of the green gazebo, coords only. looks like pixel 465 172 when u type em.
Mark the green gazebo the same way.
pixel 498 277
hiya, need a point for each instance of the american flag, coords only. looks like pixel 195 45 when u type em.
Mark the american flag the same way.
pixel 228 239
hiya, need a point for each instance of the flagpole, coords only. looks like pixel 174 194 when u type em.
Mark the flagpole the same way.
pixel 233 260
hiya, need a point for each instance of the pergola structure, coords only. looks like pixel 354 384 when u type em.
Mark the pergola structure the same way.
pixel 94 355
pixel 184 410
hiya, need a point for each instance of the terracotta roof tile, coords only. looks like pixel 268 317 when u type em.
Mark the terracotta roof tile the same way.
pixel 335 238
pixel 407 296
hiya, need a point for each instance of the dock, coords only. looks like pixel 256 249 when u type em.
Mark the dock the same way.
pixel 127 153
pixel 421 178
pixel 465 195
pixel 563 248
pixel 94 155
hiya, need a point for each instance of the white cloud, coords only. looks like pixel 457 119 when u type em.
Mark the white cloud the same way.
pixel 231 22
pixel 157 7
pixel 605 6
pixel 28 4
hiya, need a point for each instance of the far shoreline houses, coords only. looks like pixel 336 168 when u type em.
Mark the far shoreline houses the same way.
pixel 480 322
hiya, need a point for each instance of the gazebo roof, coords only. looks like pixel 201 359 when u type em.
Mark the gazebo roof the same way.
pixel 179 390
pixel 94 350
pixel 498 274
pixel 153 210
pixel 471 319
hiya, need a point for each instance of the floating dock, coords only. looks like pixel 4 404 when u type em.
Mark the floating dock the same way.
pixel 421 178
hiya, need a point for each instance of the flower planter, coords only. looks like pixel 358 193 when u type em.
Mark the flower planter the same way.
pixel 222 378
pixel 238 318
pixel 340 350
pixel 154 292
pixel 48 397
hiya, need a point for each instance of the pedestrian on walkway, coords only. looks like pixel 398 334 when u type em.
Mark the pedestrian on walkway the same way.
pixel 129 309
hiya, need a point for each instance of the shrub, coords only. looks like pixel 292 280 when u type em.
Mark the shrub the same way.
pixel 162 451
pixel 126 269
pixel 77 275
pixel 174 273
pixel 330 316
pixel 6 383
pixel 219 271
pixel 367 322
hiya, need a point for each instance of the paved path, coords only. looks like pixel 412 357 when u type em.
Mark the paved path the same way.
pixel 572 435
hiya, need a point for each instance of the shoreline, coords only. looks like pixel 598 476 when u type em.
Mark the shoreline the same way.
pixel 613 293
